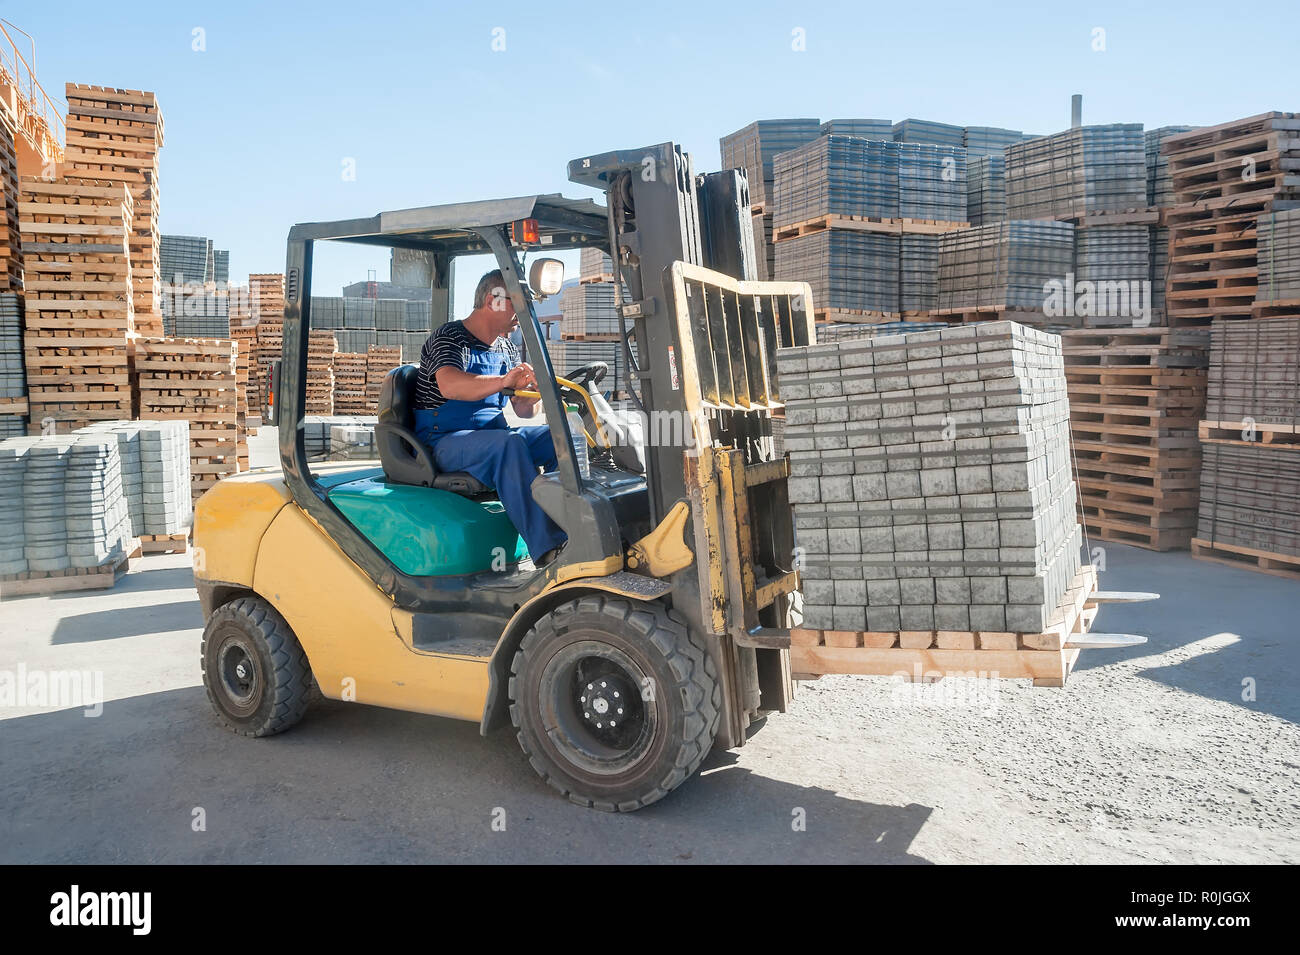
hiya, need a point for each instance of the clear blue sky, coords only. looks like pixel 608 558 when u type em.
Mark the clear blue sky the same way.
pixel 259 124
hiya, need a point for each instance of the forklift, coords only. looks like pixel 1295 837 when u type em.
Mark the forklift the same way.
pixel 659 631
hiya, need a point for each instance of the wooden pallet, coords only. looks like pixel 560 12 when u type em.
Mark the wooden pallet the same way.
pixel 1144 216
pixel 933 654
pixel 37 582
pixel 1112 531
pixel 1248 558
pixel 164 543
pixel 898 226
pixel 1230 432
pixel 989 313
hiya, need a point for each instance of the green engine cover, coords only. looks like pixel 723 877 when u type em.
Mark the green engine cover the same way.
pixel 426 532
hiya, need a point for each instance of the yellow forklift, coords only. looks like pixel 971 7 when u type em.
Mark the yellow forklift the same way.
pixel 659 631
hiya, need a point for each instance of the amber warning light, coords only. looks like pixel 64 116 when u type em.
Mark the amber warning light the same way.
pixel 525 232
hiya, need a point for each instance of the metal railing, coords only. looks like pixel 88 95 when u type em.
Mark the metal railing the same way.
pixel 39 118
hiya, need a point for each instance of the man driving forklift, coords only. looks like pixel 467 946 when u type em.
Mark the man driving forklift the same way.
pixel 466 367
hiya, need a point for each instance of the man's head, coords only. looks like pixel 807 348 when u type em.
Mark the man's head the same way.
pixel 492 303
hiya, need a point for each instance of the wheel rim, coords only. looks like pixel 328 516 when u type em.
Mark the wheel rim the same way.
pixel 239 676
pixel 593 708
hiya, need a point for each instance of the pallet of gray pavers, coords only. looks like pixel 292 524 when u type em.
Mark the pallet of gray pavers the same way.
pixel 72 521
pixel 933 501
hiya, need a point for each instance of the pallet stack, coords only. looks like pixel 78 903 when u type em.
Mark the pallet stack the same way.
pixel 589 314
pixel 322 346
pixel 590 326
pixel 243 361
pixel 913 538
pixel 1278 236
pixel 11 265
pixel 992 141
pixel 1250 441
pixel 194 380
pixel 244 334
pixel 13 379
pixel 380 360
pixel 986 189
pixel 861 128
pixel 856 218
pixel 568 355
pixel 755 147
pixel 928 131
pixel 1108 254
pixel 595 265
pixel 67 527
pixel 155 458
pixel 185 259
pixel 266 301
pixel 1003 270
pixel 350 384
pixel 1224 179
pixel 114 135
pixel 338 437
pixel 79 294
pixel 1160 196
pixel 1136 395
pixel 1078 173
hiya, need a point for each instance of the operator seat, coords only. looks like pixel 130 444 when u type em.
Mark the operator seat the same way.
pixel 404 458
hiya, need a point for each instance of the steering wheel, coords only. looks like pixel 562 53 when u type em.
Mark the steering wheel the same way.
pixel 588 377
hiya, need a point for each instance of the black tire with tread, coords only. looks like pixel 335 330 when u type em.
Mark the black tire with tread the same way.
pixel 659 639
pixel 282 660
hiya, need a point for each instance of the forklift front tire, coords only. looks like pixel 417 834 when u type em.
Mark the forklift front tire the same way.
pixel 254 669
pixel 615 702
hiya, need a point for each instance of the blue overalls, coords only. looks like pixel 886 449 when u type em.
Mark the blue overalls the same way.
pixel 474 437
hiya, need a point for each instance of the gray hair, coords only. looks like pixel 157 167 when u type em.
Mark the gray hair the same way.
pixel 486 284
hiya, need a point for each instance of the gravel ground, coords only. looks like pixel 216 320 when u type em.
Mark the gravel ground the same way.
pixel 1184 750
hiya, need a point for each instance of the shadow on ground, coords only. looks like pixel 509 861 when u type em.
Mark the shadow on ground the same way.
pixel 360 784
pixel 1202 601
pixel 128 622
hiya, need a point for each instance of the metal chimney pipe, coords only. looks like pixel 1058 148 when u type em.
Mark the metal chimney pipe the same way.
pixel 1076 110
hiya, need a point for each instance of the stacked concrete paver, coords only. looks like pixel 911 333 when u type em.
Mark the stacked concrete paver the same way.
pixel 930 479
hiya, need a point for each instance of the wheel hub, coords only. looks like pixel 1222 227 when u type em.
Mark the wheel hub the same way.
pixel 603 702
pixel 238 674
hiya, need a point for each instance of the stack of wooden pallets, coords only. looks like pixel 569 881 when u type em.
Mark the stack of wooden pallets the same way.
pixel 243 330
pixel 1136 395
pixel 1224 178
pixel 11 265
pixel 243 360
pixel 321 349
pixel 78 315
pixel 194 380
pixel 350 383
pixel 266 301
pixel 380 360
pixel 114 135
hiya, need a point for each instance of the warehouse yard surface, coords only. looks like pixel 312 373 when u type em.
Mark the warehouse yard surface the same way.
pixel 1184 750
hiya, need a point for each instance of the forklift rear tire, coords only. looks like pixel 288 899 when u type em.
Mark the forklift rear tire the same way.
pixel 254 669
pixel 616 703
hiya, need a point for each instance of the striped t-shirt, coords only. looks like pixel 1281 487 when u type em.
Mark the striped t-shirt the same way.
pixel 449 347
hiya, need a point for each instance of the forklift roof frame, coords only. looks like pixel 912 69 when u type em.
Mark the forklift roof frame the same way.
pixel 449 230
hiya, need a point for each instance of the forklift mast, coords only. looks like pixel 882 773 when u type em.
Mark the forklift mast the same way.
pixel 706 335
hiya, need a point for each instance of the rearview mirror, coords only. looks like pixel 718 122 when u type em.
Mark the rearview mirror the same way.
pixel 546 277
